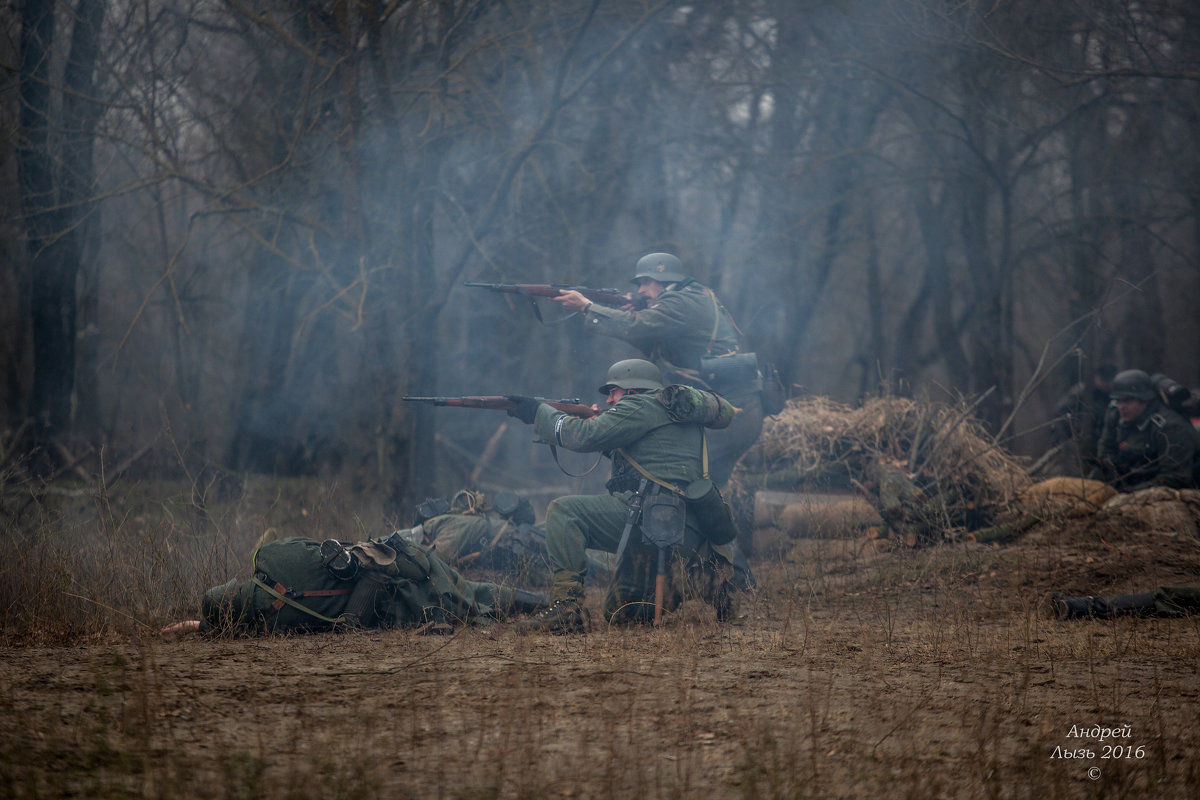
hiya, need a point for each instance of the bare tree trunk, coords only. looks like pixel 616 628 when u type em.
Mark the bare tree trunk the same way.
pixel 80 113
pixel 932 220
pixel 52 336
pixel 1144 341
pixel 56 203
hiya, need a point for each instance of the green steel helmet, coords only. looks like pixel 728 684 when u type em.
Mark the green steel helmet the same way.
pixel 632 373
pixel 1132 383
pixel 662 267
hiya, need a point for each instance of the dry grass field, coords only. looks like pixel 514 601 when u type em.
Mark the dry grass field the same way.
pixel 858 669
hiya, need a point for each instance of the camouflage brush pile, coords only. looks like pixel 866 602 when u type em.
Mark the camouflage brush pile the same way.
pixel 929 469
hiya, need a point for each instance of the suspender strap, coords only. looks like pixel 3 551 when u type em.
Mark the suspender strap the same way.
pixel 668 486
pixel 278 592
pixel 717 310
pixel 716 320
pixel 645 474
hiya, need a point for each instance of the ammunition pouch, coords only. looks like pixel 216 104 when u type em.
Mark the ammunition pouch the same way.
pixel 624 478
pixel 711 512
pixel 622 483
pixel 664 516
pixel 727 374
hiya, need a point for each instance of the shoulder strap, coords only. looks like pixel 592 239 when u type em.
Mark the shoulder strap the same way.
pixel 712 337
pixel 717 311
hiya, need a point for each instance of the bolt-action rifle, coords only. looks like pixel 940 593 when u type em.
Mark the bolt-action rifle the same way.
pixel 605 297
pixel 571 406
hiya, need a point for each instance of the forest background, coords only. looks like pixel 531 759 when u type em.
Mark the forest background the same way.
pixel 234 234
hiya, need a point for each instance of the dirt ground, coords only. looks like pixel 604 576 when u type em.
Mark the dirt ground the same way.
pixel 856 670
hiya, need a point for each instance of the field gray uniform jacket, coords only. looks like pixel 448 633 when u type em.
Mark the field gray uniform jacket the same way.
pixel 638 424
pixel 674 331
pixel 1158 448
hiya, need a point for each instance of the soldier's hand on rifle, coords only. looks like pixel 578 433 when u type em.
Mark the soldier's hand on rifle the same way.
pixel 524 408
pixel 572 300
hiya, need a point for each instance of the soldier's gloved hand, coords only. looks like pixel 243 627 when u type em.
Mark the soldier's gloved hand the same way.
pixel 525 408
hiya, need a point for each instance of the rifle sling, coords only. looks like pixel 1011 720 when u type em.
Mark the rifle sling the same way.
pixel 588 471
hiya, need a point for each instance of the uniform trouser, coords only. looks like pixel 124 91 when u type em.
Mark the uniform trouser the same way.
pixel 577 523
pixel 1164 601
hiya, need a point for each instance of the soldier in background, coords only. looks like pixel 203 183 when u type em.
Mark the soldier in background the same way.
pixel 1145 443
pixel 1164 601
pixel 1079 423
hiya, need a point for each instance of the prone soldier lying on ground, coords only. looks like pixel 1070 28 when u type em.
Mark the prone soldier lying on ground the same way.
pixel 1164 601
pixel 300 584
pixel 491 532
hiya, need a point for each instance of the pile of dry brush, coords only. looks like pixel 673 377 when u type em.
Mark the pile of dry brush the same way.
pixel 930 469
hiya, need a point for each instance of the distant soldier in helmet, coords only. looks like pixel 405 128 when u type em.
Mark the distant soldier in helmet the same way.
pixel 684 325
pixel 653 451
pixel 1145 443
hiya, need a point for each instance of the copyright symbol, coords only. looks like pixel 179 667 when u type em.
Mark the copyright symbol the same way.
pixel 1094 773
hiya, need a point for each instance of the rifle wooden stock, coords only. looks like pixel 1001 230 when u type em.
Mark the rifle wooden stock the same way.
pixel 614 298
pixel 499 402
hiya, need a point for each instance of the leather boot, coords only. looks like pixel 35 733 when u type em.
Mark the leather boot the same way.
pixel 1060 606
pixel 563 617
pixel 523 602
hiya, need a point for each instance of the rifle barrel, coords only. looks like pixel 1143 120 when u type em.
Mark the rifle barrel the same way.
pixel 609 297
pixel 568 405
